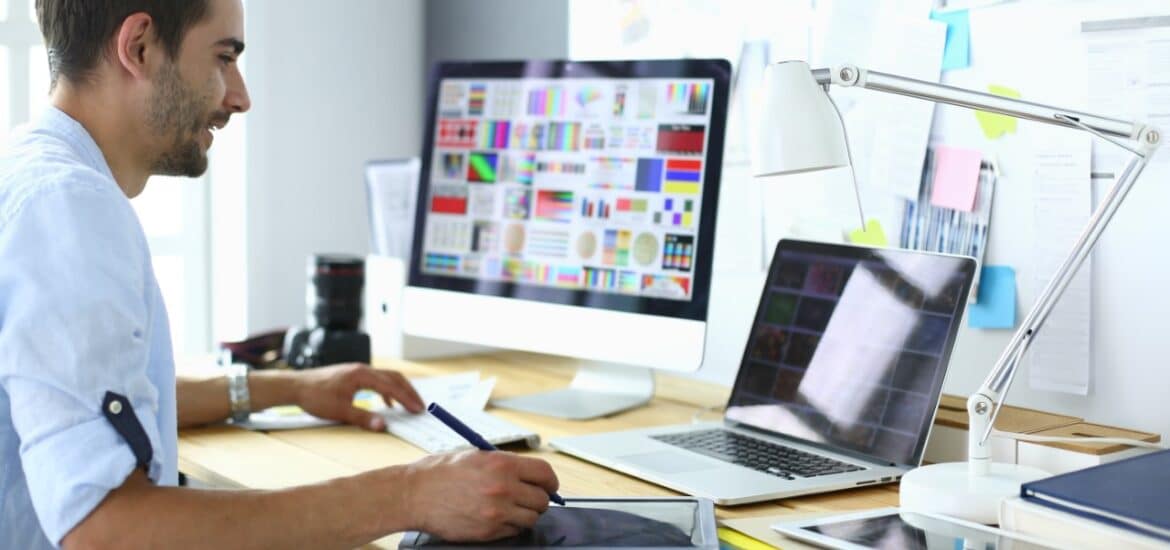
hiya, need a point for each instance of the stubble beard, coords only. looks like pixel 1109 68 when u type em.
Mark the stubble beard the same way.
pixel 176 115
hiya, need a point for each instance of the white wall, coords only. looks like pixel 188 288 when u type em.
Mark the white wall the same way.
pixel 1037 48
pixel 333 84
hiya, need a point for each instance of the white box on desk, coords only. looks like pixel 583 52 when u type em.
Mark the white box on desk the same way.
pixel 385 279
pixel 948 438
pixel 1065 530
pixel 1058 458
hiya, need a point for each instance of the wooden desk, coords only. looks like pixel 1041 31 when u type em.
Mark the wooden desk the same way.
pixel 226 456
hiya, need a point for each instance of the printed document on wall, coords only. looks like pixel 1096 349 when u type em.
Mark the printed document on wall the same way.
pixel 888 133
pixel 1129 78
pixel 1062 197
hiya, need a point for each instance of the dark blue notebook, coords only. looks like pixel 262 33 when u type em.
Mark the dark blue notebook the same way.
pixel 1133 494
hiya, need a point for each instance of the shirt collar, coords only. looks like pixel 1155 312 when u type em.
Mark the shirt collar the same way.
pixel 56 121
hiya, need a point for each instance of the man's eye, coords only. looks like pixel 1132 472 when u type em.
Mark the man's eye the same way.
pixel 227 59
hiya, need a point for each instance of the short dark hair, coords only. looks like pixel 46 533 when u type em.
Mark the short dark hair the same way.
pixel 77 32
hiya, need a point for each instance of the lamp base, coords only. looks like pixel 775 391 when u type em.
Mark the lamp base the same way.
pixel 950 489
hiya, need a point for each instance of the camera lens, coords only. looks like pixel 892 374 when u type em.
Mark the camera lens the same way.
pixel 335 293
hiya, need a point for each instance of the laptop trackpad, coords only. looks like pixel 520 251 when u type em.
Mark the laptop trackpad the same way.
pixel 668 462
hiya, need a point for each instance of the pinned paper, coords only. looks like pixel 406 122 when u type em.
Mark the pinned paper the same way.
pixel 957 53
pixel 956 178
pixel 871 235
pixel 995 306
pixel 996 125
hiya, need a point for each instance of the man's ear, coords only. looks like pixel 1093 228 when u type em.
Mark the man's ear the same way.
pixel 135 45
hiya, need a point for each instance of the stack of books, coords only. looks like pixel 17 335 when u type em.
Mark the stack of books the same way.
pixel 1123 504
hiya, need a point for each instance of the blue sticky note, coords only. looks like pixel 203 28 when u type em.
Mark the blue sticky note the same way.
pixel 957 54
pixel 996 303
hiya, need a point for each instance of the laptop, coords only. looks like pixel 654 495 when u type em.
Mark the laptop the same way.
pixel 838 386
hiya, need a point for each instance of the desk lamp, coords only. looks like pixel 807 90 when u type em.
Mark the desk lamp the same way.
pixel 807 134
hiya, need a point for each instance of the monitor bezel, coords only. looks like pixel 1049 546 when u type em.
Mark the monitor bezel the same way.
pixel 718 70
pixel 859 253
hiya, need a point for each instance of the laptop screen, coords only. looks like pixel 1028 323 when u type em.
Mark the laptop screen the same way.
pixel 850 346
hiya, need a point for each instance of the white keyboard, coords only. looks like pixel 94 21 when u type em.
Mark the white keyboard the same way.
pixel 427 433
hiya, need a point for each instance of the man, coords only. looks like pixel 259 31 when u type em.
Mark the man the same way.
pixel 89 405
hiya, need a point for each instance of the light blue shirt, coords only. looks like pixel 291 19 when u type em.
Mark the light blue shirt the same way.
pixel 80 314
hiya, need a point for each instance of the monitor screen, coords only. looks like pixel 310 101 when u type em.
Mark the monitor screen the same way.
pixel 850 346
pixel 580 183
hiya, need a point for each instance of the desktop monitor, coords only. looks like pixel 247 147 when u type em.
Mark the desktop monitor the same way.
pixel 568 208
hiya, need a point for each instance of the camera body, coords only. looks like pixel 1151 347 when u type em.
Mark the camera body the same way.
pixel 333 298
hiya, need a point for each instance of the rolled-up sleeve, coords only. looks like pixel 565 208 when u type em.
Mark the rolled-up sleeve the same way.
pixel 74 316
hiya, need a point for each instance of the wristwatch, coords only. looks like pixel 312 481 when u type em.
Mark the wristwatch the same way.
pixel 238 396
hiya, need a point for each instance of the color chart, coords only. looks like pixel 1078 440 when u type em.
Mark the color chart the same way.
pixel 592 184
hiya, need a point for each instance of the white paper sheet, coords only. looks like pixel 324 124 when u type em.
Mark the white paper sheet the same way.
pixel 391 189
pixel 1129 78
pixel 1061 355
pixel 888 134
pixel 462 391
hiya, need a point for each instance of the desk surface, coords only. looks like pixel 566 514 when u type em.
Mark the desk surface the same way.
pixel 227 456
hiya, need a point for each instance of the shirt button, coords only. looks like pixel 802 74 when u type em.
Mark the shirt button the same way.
pixel 115 407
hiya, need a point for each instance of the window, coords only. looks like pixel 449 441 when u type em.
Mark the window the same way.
pixel 173 211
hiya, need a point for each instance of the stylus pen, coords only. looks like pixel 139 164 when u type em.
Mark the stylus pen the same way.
pixel 475 439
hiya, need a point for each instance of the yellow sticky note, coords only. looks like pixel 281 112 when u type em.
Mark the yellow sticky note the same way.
pixel 872 235
pixel 735 539
pixel 995 125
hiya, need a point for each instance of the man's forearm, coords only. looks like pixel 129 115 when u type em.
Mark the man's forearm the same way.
pixel 342 513
pixel 205 400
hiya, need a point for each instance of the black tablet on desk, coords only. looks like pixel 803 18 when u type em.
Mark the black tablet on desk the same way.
pixel 606 523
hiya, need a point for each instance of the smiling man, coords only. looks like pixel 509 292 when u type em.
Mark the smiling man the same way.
pixel 89 402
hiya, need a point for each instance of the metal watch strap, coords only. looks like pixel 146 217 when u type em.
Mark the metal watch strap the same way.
pixel 238 396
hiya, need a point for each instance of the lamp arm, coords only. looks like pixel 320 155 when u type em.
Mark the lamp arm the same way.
pixel 848 75
pixel 983 406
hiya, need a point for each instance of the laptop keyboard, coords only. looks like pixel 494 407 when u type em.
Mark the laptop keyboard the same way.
pixel 757 454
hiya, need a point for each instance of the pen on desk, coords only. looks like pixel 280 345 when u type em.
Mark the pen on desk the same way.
pixel 475 439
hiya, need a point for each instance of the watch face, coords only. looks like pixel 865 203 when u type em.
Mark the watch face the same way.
pixel 238 396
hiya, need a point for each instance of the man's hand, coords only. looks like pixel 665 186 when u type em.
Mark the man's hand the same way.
pixel 327 392
pixel 477 495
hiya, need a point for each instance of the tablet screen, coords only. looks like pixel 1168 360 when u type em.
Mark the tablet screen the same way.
pixel 910 531
pixel 608 524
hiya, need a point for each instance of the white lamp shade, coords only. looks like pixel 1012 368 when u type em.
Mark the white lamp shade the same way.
pixel 801 129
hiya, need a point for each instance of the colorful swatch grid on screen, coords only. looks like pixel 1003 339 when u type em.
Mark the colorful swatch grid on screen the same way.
pixel 690 99
pixel 676 212
pixel 566 160
pixel 554 206
pixel 666 284
pixel 593 138
pixel 547 102
pixel 494 134
pixel 451 165
pixel 449 199
pixel 681 139
pixel 595 208
pixel 564 136
pixel 475 99
pixel 682 176
pixel 456 133
pixel 518 167
pixel 442 262
pixel 481 167
pixel 549 243
pixel 616 247
pixel 613 172
pixel 601 279
pixel 678 252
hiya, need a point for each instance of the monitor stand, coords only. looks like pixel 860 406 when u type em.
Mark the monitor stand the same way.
pixel 598 389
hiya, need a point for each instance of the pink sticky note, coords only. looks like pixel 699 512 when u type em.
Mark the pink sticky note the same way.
pixel 956 178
